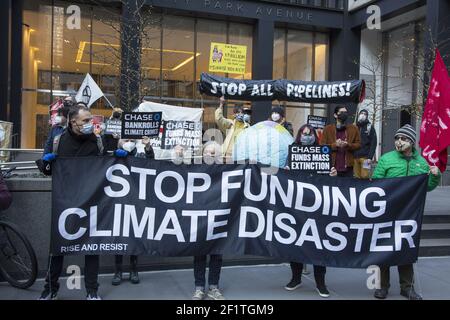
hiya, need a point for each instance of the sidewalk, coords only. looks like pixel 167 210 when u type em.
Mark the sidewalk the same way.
pixel 253 283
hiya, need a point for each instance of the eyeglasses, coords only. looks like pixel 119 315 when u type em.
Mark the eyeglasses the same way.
pixel 401 138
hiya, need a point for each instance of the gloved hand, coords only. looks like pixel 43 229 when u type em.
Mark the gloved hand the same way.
pixel 120 153
pixel 49 157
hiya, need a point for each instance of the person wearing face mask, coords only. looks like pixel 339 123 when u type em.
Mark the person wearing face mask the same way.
pixel 127 147
pixel 277 115
pixel 344 140
pixel 307 136
pixel 231 128
pixel 77 140
pixel 404 161
pixel 57 128
pixel 363 156
pixel 112 139
pixel 211 153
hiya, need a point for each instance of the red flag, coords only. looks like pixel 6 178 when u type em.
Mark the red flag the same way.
pixel 435 128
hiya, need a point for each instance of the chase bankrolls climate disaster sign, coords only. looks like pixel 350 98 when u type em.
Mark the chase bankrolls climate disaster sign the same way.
pixel 139 206
pixel 227 58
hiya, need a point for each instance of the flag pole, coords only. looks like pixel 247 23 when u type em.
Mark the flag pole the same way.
pixel 110 104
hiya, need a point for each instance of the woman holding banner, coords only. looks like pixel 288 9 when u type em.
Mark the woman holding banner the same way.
pixel 307 136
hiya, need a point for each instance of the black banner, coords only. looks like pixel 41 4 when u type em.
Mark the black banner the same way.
pixel 135 125
pixel 283 90
pixel 313 159
pixel 139 206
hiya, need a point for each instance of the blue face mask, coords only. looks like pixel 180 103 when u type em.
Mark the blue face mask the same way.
pixel 247 118
pixel 307 140
pixel 87 128
pixel 240 117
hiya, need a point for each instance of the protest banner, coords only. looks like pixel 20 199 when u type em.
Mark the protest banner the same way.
pixel 177 117
pixel 227 58
pixel 135 125
pixel 187 134
pixel 139 206
pixel 113 126
pixel 317 123
pixel 313 159
pixel 349 91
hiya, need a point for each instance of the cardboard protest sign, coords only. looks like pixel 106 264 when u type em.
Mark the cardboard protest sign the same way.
pixel 135 125
pixel 314 159
pixel 227 58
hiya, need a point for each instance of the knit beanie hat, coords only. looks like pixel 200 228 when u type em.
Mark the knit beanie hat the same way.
pixel 407 131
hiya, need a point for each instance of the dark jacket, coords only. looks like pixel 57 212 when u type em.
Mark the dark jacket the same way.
pixel 54 131
pixel 353 140
pixel 72 145
pixel 5 195
pixel 368 142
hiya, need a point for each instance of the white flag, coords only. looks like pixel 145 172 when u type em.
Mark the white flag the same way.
pixel 89 91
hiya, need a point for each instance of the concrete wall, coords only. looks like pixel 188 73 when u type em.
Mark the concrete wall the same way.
pixel 31 211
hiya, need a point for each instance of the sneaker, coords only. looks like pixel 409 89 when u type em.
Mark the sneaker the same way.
pixel 323 291
pixel 92 295
pixel 134 277
pixel 198 295
pixel 293 284
pixel 215 294
pixel 411 294
pixel 117 278
pixel 48 295
pixel 381 293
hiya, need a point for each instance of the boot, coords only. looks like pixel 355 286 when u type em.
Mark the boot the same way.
pixel 134 276
pixel 117 278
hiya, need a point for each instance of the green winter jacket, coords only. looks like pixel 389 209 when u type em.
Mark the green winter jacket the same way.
pixel 393 164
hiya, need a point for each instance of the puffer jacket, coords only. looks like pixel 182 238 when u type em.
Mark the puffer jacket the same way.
pixel 393 164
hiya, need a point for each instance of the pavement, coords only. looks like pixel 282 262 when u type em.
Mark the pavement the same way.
pixel 265 282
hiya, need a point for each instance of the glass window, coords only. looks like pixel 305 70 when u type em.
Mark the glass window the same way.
pixel 57 59
pixel 300 55
pixel 241 34
pixel 151 57
pixel 178 59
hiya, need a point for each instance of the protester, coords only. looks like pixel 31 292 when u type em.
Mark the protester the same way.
pixel 58 127
pixel 344 140
pixel 77 140
pixel 111 139
pixel 128 147
pixel 278 115
pixel 211 151
pixel 232 128
pixel 364 156
pixel 307 136
pixel 404 161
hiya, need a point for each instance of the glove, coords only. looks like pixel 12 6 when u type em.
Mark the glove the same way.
pixel 49 157
pixel 120 153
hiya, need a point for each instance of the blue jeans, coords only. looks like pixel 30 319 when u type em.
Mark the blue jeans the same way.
pixel 215 264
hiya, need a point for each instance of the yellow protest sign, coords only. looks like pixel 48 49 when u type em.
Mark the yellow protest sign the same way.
pixel 228 58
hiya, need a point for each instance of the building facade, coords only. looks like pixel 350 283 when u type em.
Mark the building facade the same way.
pixel 52 44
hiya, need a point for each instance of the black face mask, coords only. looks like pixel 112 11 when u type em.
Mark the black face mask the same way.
pixel 117 115
pixel 343 116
